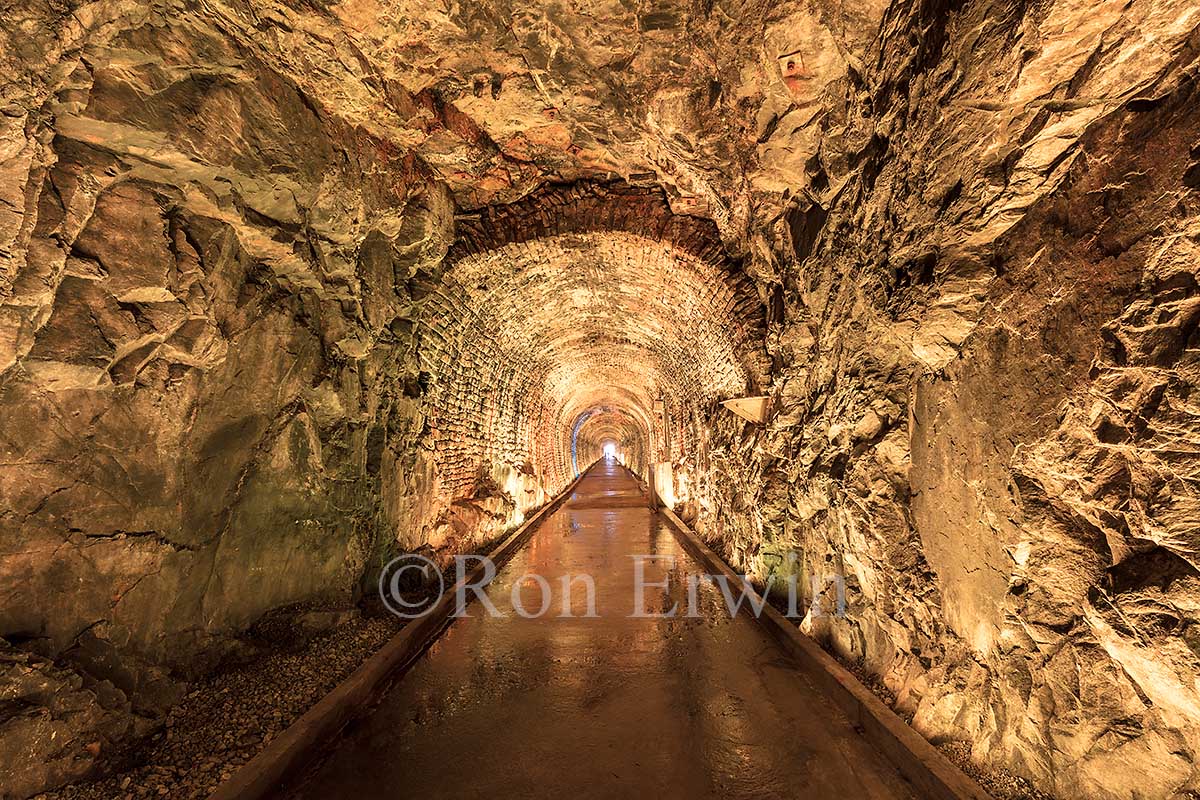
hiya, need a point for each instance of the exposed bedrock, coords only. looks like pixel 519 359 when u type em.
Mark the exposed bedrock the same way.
pixel 985 431
pixel 289 287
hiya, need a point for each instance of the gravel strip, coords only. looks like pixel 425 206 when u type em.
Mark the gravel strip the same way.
pixel 998 782
pixel 227 719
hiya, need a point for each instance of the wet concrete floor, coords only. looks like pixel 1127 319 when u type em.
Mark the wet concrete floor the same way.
pixel 609 707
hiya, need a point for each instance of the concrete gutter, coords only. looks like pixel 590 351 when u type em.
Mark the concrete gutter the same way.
pixel 930 772
pixel 294 749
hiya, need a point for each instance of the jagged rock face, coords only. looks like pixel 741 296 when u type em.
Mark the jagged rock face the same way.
pixel 203 395
pixel 984 426
pixel 285 287
pixel 52 718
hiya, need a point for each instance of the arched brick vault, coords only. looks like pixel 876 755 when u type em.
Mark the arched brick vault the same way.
pixel 582 313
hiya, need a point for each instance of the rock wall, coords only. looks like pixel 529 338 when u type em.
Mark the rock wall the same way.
pixel 982 425
pixel 206 388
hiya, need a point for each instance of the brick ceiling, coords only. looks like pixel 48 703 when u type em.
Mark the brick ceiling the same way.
pixel 584 311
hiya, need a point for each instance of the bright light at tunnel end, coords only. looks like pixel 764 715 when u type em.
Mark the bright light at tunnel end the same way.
pixel 610 451
pixel 411 586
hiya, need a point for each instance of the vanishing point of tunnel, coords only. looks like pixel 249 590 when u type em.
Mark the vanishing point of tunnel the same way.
pixel 798 395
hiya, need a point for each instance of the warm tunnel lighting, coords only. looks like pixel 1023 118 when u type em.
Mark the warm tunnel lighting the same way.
pixel 895 304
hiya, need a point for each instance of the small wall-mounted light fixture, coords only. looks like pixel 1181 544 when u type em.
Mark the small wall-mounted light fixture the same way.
pixel 754 409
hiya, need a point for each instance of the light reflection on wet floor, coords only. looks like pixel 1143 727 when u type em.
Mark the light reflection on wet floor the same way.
pixel 604 707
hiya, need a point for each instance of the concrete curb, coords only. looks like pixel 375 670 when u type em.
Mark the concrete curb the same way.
pixel 930 772
pixel 291 751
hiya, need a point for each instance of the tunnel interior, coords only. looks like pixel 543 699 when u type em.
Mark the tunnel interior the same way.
pixel 894 300
pixel 581 314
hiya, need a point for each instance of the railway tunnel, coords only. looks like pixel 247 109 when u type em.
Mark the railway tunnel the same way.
pixel 796 395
